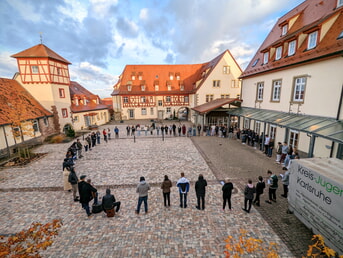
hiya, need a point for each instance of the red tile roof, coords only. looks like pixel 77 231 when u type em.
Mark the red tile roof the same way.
pixel 160 75
pixel 79 92
pixel 310 16
pixel 40 50
pixel 13 95
pixel 204 108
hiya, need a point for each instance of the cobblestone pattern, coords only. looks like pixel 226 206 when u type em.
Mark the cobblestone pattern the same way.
pixel 163 232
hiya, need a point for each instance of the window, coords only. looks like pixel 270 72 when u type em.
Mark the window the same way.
pixel 143 111
pixel 168 98
pixel 16 131
pixel 246 123
pixel 278 53
pixel 143 100
pixel 238 96
pixel 160 103
pixel 168 109
pixel 339 3
pixel 35 126
pixel 341 34
pixel 76 118
pixel 294 138
pixel 140 77
pixel 284 29
pixel 257 127
pixel 312 40
pixel 156 87
pixel 272 131
pixel 152 111
pixel 171 77
pixel 186 99
pixel 143 87
pixel 209 97
pixel 260 86
pixel 169 87
pixel 46 121
pixel 235 83
pixel 131 113
pixel 58 71
pixel 64 112
pixel 265 58
pixel 129 87
pixel 225 96
pixel 299 89
pixel 133 77
pixel 276 90
pixel 178 77
pixel 226 69
pixel 216 83
pixel 125 99
pixel 61 92
pixel 255 62
pixel 34 69
pixel 291 47
pixel 182 87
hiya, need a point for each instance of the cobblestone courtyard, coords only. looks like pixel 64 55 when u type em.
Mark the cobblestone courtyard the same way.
pixel 34 193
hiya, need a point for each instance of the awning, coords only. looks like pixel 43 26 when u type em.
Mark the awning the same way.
pixel 209 106
pixel 328 128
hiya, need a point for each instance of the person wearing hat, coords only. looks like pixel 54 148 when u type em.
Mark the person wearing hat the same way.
pixel 86 192
pixel 142 189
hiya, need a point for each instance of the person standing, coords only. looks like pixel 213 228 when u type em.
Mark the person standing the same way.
pixel 142 189
pixel 66 184
pixel 79 148
pixel 104 133
pixel 259 190
pixel 166 185
pixel 98 136
pixel 109 202
pixel 285 182
pixel 273 185
pixel 227 191
pixel 128 128
pixel 200 190
pixel 109 133
pixel 284 152
pixel 116 131
pixel 86 192
pixel 183 185
pixel 248 195
pixel 89 142
pixel 266 144
pixel 278 152
pixel 73 180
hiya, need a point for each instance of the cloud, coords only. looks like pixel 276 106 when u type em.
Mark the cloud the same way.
pixel 126 27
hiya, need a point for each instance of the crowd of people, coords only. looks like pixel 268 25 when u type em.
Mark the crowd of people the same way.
pixel 83 190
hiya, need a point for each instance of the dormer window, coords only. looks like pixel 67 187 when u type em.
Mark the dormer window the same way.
pixel 312 40
pixel 34 69
pixel 265 58
pixel 133 77
pixel 255 62
pixel 140 76
pixel 284 29
pixel 278 53
pixel 157 87
pixel 177 76
pixel 171 76
pixel 169 87
pixel 182 87
pixel 143 87
pixel 291 47
pixel 129 87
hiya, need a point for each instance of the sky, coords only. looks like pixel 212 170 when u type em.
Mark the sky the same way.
pixel 100 37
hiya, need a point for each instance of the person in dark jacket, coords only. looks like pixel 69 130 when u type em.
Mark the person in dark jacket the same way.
pixel 259 190
pixel 227 191
pixel 165 186
pixel 248 195
pixel 273 185
pixel 200 190
pixel 86 192
pixel 109 201
pixel 73 180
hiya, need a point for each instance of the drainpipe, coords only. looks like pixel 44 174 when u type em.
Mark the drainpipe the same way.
pixel 7 147
pixel 337 118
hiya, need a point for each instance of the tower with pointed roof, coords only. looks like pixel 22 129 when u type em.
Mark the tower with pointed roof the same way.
pixel 45 75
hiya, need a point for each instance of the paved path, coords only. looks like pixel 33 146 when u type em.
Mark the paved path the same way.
pixel 34 193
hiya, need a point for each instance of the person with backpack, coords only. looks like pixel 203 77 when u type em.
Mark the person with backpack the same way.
pixel 248 195
pixel 273 185
pixel 73 180
pixel 183 185
pixel 259 190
